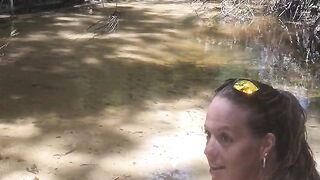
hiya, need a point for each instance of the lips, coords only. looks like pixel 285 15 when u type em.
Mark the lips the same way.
pixel 215 169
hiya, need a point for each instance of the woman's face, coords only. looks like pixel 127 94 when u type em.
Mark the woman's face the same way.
pixel 232 152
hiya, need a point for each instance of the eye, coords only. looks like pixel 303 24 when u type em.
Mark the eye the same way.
pixel 207 134
pixel 224 138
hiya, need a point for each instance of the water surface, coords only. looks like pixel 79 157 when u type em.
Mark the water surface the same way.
pixel 128 104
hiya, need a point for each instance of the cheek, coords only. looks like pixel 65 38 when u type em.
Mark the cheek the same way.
pixel 243 159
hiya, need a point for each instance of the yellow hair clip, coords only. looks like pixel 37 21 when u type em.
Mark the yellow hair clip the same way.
pixel 245 86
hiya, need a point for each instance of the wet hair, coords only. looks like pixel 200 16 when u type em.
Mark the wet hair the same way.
pixel 278 112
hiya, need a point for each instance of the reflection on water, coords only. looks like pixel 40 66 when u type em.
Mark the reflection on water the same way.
pixel 274 59
pixel 7 32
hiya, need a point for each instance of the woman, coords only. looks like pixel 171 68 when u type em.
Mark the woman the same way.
pixel 256 132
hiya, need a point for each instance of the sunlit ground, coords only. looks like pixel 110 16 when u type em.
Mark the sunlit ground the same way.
pixel 125 105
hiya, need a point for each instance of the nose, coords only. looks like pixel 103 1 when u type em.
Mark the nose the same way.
pixel 211 150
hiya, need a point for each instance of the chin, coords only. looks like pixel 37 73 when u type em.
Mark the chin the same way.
pixel 218 175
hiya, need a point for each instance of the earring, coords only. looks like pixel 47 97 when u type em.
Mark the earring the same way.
pixel 264 161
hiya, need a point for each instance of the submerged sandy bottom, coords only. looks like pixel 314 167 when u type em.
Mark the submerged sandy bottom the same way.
pixel 77 108
pixel 126 105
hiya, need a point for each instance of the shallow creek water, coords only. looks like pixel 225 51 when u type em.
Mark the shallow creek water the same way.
pixel 129 104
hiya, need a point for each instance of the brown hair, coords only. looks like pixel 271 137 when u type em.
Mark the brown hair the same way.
pixel 278 112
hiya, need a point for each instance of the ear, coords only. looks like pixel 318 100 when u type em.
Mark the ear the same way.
pixel 267 144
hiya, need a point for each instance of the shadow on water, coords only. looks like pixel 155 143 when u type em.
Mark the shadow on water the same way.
pixel 60 88
pixel 86 75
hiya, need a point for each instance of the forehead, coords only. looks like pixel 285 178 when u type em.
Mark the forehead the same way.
pixel 224 114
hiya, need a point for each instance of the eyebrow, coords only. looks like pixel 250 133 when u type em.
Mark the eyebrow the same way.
pixel 205 127
pixel 220 128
